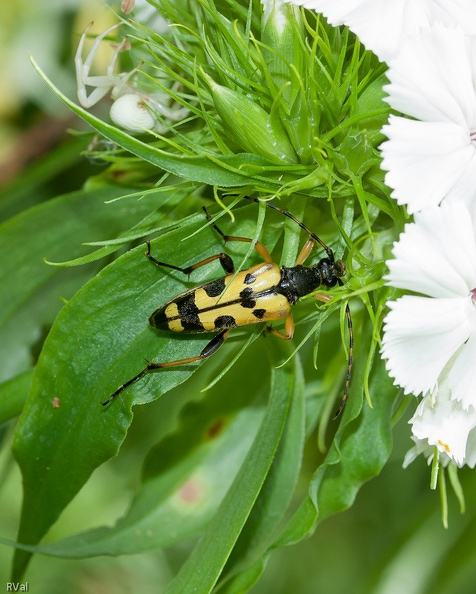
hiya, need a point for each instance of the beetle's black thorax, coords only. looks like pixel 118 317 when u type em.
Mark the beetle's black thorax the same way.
pixel 302 280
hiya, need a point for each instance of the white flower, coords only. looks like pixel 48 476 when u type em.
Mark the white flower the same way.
pixel 436 257
pixel 382 25
pixel 443 422
pixel 432 79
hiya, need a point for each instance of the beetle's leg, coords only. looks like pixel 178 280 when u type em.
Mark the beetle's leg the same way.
pixel 262 251
pixel 306 250
pixel 288 329
pixel 225 261
pixel 208 351
pixel 350 361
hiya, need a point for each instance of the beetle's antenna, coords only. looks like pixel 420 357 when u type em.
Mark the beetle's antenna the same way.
pixel 327 249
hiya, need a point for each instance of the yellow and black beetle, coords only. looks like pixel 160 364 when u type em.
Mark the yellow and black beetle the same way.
pixel 262 293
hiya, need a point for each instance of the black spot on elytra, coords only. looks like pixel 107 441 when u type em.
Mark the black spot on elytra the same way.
pixel 215 288
pixel 225 322
pixel 249 279
pixel 246 298
pixel 188 313
pixel 159 320
pixel 246 293
pixel 259 313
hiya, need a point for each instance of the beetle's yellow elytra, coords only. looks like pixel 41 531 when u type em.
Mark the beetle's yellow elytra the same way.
pixel 173 317
pixel 248 297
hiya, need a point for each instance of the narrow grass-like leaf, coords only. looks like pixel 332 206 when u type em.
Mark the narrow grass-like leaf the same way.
pixel 201 571
pixel 215 170
pixel 269 512
pixel 359 450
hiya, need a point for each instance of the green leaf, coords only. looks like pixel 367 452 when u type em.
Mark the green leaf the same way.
pixel 13 394
pixel 83 360
pixel 98 341
pixel 247 559
pixel 201 571
pixel 188 473
pixel 358 452
pixel 212 169
pixel 28 189
pixel 32 291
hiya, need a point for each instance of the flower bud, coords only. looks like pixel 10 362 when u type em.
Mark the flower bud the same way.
pixel 282 37
pixel 250 126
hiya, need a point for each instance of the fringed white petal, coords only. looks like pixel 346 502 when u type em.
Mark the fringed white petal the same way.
pixel 431 77
pixel 442 422
pixel 436 255
pixel 420 336
pixel 462 375
pixel 426 160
